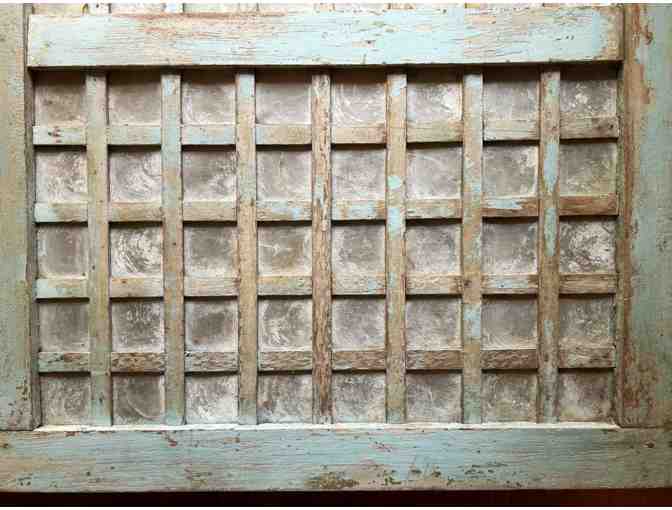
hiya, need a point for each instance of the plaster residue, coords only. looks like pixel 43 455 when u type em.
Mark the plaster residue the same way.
pixel 63 326
pixel 434 397
pixel 285 398
pixel 210 250
pixel 510 323
pixel 285 324
pixel 137 326
pixel 209 174
pixel 433 323
pixel 138 399
pixel 358 397
pixel 358 98
pixel 208 97
pixel 284 249
pixel 510 169
pixel 283 97
pixel 433 247
pixel 62 251
pixel 509 247
pixel 284 174
pixel 587 246
pixel 358 323
pixel 511 94
pixel 134 97
pixel 509 396
pixel 211 324
pixel 358 248
pixel 59 98
pixel 434 171
pixel 136 251
pixel 358 172
pixel 61 175
pixel 66 399
pixel 211 398
pixel 135 175
pixel 434 95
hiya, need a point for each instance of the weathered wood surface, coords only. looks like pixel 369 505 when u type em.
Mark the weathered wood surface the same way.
pixel 451 36
pixel 19 395
pixel 334 458
pixel 647 231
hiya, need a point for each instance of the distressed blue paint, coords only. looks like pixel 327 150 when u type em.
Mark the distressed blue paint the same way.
pixel 450 36
pixel 395 221
pixel 472 320
pixel 550 231
pixel 551 164
pixel 648 365
pixel 505 203
pixel 330 458
pixel 394 182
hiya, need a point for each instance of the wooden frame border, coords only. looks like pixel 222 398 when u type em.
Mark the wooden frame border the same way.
pixel 326 457
pixel 454 35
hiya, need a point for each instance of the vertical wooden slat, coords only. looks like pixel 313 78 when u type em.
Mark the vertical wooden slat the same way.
pixel 19 395
pixel 395 249
pixel 99 269
pixel 646 273
pixel 321 224
pixel 549 283
pixel 173 262
pixel 471 244
pixel 247 239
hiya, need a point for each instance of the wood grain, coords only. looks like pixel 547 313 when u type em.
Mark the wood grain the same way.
pixel 321 225
pixel 173 246
pixel 648 226
pixel 247 239
pixel 357 458
pixel 395 250
pixel 452 36
pixel 472 245
pixel 99 265
pixel 549 253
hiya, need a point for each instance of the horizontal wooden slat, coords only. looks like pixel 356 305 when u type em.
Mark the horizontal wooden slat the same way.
pixel 61 213
pixel 135 211
pixel 358 134
pixel 596 205
pixel 211 286
pixel 510 207
pixel 509 359
pixel 510 130
pixel 130 362
pixel 372 456
pixel 434 208
pixel 285 285
pixel 283 134
pixel 136 287
pixel 589 127
pixel 588 283
pixel 579 356
pixel 63 362
pixel 510 284
pixel 354 284
pixel 285 361
pixel 448 131
pixel 451 36
pixel 433 284
pixel 209 210
pixel 210 134
pixel 210 361
pixel 284 211
pixel 134 135
pixel 59 135
pixel 434 360
pixel 61 288
pixel 358 360
pixel 353 210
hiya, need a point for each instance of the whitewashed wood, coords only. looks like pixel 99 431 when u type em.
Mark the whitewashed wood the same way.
pixel 456 36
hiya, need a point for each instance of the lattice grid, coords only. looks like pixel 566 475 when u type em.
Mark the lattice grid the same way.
pixel 324 246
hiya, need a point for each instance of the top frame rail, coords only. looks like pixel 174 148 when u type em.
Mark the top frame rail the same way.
pixel 452 35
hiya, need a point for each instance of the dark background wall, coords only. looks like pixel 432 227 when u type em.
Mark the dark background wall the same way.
pixel 649 497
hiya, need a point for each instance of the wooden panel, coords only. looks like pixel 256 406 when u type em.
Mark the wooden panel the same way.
pixel 395 263
pixel 247 225
pixel 19 398
pixel 646 231
pixel 223 458
pixel 173 251
pixel 99 248
pixel 549 305
pixel 454 36
pixel 471 245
